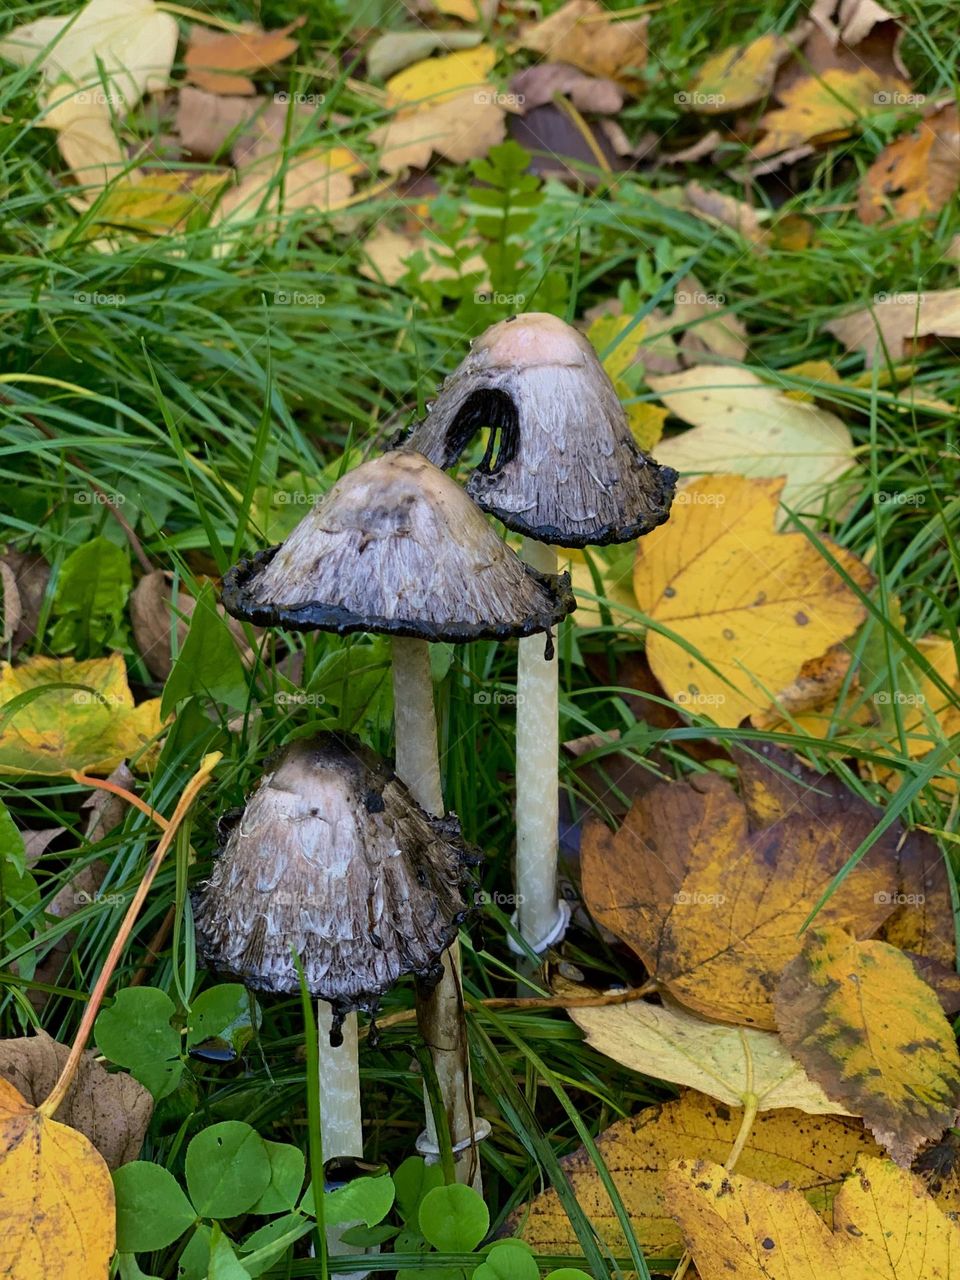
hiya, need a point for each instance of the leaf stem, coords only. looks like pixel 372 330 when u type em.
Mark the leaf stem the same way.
pixel 189 794
pixel 104 784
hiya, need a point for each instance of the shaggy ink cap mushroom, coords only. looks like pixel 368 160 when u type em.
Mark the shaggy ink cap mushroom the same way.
pixel 567 470
pixel 397 547
pixel 333 860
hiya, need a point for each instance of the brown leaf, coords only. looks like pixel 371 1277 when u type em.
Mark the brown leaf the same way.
pixel 714 908
pixel 903 323
pixel 914 175
pixel 559 148
pixel 870 1031
pixel 112 1110
pixel 207 121
pixel 588 36
pixel 153 617
pixel 537 85
pixel 460 129
pixel 214 58
pixel 716 207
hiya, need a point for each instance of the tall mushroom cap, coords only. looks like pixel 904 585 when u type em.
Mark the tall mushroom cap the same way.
pixel 333 860
pixel 397 547
pixel 568 470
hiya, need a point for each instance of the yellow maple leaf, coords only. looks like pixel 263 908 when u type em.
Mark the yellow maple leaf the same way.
pixel 57 1204
pixel 733 78
pixel 885 1227
pixel 77 716
pixel 755 604
pixel 826 107
pixel 436 80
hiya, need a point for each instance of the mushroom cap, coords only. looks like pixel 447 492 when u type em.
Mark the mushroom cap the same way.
pixel 397 547
pixel 333 859
pixel 568 469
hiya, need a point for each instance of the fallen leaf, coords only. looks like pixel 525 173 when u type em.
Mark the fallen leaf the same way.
pixel 715 907
pixel 720 209
pixel 825 109
pixel 860 29
pixel 206 122
pixel 81 716
pixel 885 1227
pixel 320 179
pixel 57 1201
pixel 150 203
pixel 114 50
pixel 387 253
pixel 563 149
pixel 437 80
pixel 756 603
pixel 86 140
pixel 584 34
pixel 468 10
pixel 395 50
pixel 899 323
pixel 743 425
pixel 810 1152
pixel 218 60
pixel 460 129
pixel 737 77
pixel 710 328
pixel 538 85
pixel 873 1034
pixel 110 1108
pixel 726 1063
pixel 155 619
pixel 914 175
pixel 620 342
pixel 25 578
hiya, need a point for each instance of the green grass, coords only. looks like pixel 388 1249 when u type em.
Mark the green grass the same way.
pixel 195 393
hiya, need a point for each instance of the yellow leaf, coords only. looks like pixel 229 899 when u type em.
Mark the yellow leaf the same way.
pixel 388 253
pixel 90 725
pixel 129 43
pixel 86 140
pixel 745 426
pixel 468 10
pixel 826 108
pixel 821 371
pixel 756 604
pixel 459 129
pixel 714 906
pixel 590 37
pixel 874 1035
pixel 157 203
pixel 726 1063
pixel 734 78
pixel 437 80
pixel 811 1152
pixel 885 1227
pixel 914 175
pixel 56 1197
pixel 646 420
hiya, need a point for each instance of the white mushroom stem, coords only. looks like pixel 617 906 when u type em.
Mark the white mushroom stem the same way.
pixel 341 1130
pixel 541 918
pixel 439 1015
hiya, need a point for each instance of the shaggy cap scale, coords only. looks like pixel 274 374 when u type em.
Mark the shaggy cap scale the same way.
pixel 568 470
pixel 397 547
pixel 332 859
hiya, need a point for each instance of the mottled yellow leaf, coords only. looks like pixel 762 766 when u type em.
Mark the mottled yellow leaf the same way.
pixel 734 78
pixel 56 1197
pixel 810 1152
pixel 84 717
pixel 914 175
pixel 885 1227
pixel 437 80
pixel 713 907
pixel 826 107
pixel 724 1062
pixel 590 37
pixel 874 1035
pixel 157 203
pixel 756 604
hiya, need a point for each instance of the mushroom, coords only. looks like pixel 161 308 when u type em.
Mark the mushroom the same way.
pixel 396 547
pixel 566 472
pixel 333 861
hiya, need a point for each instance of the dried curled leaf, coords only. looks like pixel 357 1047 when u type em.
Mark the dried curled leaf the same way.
pixel 866 1026
pixel 111 1109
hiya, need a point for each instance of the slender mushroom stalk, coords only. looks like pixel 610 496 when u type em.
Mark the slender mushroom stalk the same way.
pixel 397 548
pixel 569 474
pixel 341 1124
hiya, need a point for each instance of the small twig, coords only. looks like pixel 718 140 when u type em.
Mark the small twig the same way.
pixel 533 1002
pixel 189 794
